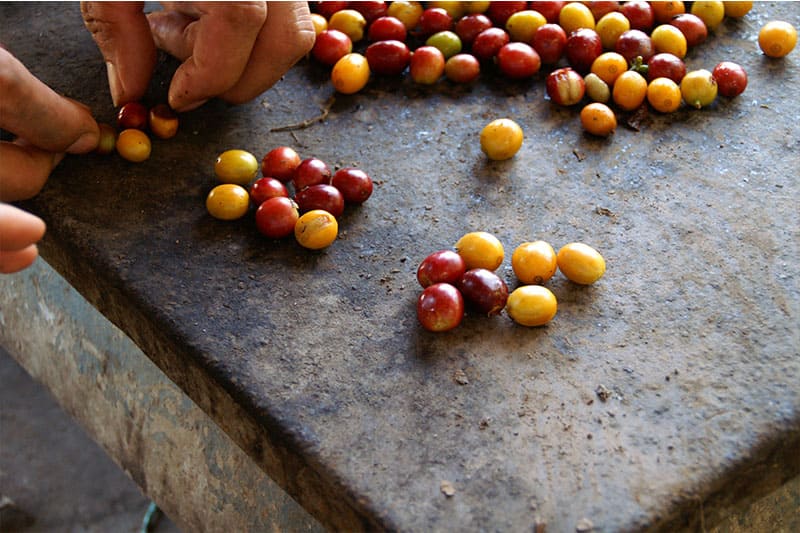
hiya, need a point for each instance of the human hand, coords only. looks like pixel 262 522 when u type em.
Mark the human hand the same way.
pixel 46 126
pixel 231 50
pixel 19 233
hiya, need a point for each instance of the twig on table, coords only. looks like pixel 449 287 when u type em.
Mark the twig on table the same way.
pixel 309 121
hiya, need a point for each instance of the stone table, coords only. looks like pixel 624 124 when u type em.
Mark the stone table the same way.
pixel 659 398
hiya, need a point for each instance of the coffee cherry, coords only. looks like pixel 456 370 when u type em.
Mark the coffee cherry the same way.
pixel 163 121
pixel 480 249
pixel 501 139
pixel 236 166
pixel 311 171
pixel 440 307
pixel 265 188
pixel 443 266
pixel 531 305
pixel 427 65
pixel 227 201
pixel 387 29
pixel 320 196
pixel 350 22
pixel 518 61
pixel 276 217
pixel 354 184
pixel 280 163
pixel 134 145
pixel 581 263
pixel 462 68
pixel 598 119
pixel 388 57
pixel 107 140
pixel 484 291
pixel 330 46
pixel 699 88
pixel 316 229
pixel 534 262
pixel 351 73
pixel 132 115
pixel 565 87
pixel 731 78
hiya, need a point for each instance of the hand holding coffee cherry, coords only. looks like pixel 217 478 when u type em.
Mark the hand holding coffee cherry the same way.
pixel 231 52
pixel 46 126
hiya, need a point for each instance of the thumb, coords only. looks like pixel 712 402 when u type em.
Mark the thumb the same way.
pixel 122 33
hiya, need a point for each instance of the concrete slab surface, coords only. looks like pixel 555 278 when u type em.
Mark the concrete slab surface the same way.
pixel 313 362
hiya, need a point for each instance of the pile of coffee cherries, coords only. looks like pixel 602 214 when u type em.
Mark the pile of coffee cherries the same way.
pixel 134 120
pixel 292 196
pixel 621 54
pixel 465 277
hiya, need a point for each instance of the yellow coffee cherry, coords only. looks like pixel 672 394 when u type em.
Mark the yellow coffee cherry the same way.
pixel 699 88
pixel 669 39
pixel 609 66
pixel 598 119
pixel 454 8
pixel 228 201
pixel 522 25
pixel 407 12
pixel 531 305
pixel 737 8
pixel 133 145
pixel 630 90
pixel 316 229
pixel 320 23
pixel 777 38
pixel 350 22
pixel 501 139
pixel 574 16
pixel 534 262
pixel 480 249
pixel 476 7
pixel 712 13
pixel 350 74
pixel 664 95
pixel 610 27
pixel 581 263
pixel 236 166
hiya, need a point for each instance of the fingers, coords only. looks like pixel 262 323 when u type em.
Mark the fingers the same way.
pixel 15 261
pixel 122 33
pixel 19 233
pixel 25 170
pixel 33 111
pixel 219 38
pixel 284 39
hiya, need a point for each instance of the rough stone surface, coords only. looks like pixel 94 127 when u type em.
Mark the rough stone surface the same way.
pixel 314 363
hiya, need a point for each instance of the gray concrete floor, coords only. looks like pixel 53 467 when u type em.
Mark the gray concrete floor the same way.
pixel 58 478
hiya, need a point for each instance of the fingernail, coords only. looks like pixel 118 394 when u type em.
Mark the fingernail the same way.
pixel 114 83
pixel 85 143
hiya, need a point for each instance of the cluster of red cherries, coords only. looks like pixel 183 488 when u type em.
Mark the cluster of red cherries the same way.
pixel 312 187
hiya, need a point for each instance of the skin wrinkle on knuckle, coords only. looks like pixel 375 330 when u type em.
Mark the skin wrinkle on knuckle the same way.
pixel 97 26
pixel 107 23
pixel 247 15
